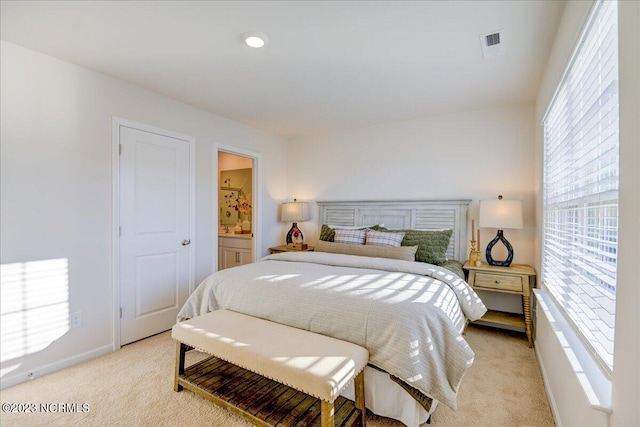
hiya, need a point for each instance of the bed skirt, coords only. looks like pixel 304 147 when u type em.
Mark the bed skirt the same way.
pixel 386 398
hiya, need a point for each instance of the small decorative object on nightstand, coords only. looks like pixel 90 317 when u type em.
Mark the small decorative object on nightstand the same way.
pixel 288 248
pixel 475 257
pixel 518 279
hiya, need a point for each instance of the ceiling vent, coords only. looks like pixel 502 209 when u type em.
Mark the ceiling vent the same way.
pixel 492 44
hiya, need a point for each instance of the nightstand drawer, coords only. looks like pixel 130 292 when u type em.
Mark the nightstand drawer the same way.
pixel 497 281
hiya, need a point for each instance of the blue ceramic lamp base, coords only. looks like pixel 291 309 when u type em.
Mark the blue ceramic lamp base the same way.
pixel 499 238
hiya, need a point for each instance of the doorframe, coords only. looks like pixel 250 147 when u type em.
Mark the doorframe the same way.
pixel 117 123
pixel 256 202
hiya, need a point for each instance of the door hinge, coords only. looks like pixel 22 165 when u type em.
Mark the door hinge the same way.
pixel 121 312
pixel 120 149
pixel 119 231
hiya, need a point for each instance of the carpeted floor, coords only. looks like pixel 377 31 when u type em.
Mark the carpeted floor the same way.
pixel 134 387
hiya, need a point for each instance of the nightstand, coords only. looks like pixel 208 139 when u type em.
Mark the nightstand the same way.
pixel 518 279
pixel 284 248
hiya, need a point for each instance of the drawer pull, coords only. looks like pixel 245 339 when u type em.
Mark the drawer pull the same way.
pixel 497 282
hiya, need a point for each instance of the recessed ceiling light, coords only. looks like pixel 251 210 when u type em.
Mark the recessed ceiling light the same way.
pixel 255 40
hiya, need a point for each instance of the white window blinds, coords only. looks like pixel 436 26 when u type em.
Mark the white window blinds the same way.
pixel 580 185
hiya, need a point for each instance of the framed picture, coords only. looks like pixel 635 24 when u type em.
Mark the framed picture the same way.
pixel 229 216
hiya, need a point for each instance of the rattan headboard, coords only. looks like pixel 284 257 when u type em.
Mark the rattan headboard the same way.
pixel 414 214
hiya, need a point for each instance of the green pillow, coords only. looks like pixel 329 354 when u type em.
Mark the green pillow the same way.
pixel 432 245
pixel 327 234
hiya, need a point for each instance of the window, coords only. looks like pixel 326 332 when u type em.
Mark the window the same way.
pixel 580 185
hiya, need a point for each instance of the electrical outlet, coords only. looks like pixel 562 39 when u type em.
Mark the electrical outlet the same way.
pixel 75 319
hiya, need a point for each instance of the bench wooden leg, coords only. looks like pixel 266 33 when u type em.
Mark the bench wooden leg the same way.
pixel 326 413
pixel 359 392
pixel 181 349
pixel 327 409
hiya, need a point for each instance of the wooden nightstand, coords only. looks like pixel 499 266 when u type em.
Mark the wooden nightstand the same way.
pixel 518 279
pixel 284 248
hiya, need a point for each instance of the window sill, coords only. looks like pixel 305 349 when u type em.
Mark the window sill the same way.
pixel 595 384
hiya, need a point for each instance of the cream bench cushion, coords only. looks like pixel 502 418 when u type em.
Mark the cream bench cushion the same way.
pixel 315 364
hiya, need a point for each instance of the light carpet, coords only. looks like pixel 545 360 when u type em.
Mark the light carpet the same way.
pixel 134 387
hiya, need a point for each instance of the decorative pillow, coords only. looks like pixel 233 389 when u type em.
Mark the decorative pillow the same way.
pixel 357 227
pixel 384 238
pixel 406 253
pixel 353 237
pixel 432 244
pixel 327 232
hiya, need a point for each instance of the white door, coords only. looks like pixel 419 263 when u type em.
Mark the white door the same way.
pixel 154 231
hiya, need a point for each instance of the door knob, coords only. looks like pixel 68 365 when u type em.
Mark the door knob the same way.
pixel 186 242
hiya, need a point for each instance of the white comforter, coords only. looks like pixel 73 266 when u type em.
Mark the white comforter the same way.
pixel 407 314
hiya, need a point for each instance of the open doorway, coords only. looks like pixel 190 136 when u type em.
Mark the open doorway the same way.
pixel 237 200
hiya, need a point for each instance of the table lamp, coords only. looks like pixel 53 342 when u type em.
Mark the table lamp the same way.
pixel 294 211
pixel 500 214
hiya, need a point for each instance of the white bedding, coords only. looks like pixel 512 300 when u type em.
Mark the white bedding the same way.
pixel 407 314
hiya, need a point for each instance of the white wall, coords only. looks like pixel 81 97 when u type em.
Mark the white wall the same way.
pixel 470 155
pixel 561 380
pixel 626 375
pixel 57 183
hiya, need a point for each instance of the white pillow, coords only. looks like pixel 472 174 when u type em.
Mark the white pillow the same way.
pixel 384 238
pixel 352 237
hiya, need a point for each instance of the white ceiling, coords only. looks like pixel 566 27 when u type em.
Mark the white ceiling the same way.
pixel 329 65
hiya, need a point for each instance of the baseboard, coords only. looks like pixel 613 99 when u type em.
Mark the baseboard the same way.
pixel 22 377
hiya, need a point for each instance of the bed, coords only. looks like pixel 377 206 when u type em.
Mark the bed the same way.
pixel 409 315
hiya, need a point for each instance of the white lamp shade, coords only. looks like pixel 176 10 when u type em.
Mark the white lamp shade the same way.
pixel 500 214
pixel 294 211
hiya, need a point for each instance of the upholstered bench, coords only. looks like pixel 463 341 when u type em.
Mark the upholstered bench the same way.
pixel 271 373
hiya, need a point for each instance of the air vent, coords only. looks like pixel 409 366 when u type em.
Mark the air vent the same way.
pixel 493 39
pixel 492 44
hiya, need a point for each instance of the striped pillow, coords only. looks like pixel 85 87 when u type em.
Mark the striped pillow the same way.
pixel 327 232
pixel 384 238
pixel 353 237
